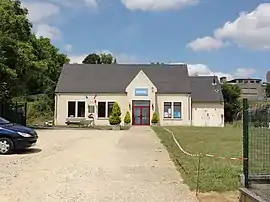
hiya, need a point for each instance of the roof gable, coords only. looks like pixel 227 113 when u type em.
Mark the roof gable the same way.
pixel 141 80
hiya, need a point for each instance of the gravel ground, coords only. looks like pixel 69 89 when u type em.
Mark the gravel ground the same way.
pixel 88 165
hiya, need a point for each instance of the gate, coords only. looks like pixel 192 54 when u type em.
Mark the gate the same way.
pixel 256 146
pixel 14 112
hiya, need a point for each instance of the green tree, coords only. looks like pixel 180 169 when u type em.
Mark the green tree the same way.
pixel 115 117
pixel 127 118
pixel 232 105
pixel 102 58
pixel 28 65
pixel 267 91
pixel 15 51
pixel 154 118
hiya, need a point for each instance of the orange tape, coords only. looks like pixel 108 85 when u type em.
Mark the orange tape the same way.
pixel 207 155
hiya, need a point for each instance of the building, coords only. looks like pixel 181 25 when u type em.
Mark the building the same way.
pixel 178 99
pixel 253 89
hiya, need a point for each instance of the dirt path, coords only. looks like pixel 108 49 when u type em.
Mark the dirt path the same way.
pixel 79 165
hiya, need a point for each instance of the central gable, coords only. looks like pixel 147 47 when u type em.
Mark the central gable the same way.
pixel 141 83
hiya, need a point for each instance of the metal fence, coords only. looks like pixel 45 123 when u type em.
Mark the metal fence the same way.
pixel 14 112
pixel 256 146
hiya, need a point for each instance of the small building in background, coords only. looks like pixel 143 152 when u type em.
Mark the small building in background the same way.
pixel 251 88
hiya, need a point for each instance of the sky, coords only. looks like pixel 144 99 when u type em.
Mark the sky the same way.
pixel 213 37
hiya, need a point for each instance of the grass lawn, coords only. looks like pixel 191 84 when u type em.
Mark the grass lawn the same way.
pixel 216 174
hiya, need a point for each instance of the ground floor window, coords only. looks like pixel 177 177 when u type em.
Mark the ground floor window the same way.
pixel 101 109
pixel 105 109
pixel 109 108
pixel 177 110
pixel 167 110
pixel 81 109
pixel 76 106
pixel 71 108
pixel 172 110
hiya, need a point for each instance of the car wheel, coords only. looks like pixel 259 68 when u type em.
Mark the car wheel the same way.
pixel 6 146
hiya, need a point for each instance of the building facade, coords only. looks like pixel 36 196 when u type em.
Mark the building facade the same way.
pixel 253 89
pixel 168 90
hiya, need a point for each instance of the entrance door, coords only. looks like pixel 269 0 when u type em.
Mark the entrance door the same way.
pixel 141 113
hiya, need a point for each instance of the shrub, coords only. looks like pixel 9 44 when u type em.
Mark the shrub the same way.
pixel 115 117
pixel 154 118
pixel 127 119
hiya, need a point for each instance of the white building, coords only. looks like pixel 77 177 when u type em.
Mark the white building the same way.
pixel 178 99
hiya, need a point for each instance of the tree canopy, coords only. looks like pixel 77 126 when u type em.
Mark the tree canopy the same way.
pixel 232 103
pixel 102 58
pixel 28 65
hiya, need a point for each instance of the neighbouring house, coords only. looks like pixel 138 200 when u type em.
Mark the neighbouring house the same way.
pixel 177 98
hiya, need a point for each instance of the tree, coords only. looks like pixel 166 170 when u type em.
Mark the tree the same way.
pixel 115 117
pixel 267 91
pixel 127 118
pixel 154 118
pixel 28 65
pixel 102 58
pixel 232 105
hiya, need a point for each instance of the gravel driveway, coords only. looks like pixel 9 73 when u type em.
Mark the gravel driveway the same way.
pixel 88 165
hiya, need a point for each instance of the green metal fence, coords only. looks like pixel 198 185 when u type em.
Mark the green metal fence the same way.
pixel 256 145
pixel 14 112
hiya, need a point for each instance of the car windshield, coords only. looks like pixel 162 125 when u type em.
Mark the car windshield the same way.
pixel 3 121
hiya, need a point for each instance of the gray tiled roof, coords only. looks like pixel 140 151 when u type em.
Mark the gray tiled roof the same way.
pixel 203 89
pixel 91 78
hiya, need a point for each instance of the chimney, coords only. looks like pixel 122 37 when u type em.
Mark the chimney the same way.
pixel 223 79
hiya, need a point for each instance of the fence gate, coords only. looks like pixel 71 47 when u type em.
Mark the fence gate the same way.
pixel 256 146
pixel 14 112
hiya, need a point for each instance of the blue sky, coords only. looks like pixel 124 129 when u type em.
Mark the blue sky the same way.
pixel 211 36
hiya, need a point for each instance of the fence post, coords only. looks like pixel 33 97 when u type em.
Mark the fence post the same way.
pixel 25 113
pixel 245 141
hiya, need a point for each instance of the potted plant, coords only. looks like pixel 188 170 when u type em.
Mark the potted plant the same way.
pixel 127 118
pixel 154 120
pixel 115 117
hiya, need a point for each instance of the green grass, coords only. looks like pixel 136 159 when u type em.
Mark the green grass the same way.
pixel 215 174
pixel 259 151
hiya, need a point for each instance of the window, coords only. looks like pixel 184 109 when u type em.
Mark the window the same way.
pixel 91 109
pixel 81 109
pixel 71 108
pixel 101 109
pixel 173 110
pixel 177 110
pixel 167 110
pixel 109 108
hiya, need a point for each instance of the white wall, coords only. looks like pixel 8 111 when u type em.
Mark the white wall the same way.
pixel 208 114
pixel 185 100
pixel 61 112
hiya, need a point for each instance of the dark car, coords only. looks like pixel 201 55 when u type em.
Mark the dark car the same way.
pixel 15 137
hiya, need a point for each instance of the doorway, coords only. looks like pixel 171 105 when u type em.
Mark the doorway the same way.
pixel 141 112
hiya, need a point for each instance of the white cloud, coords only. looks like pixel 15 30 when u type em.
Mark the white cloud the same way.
pixel 204 70
pixel 48 31
pixel 251 30
pixel 40 11
pixel 206 43
pixel 157 5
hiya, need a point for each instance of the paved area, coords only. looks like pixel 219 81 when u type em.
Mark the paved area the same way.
pixel 88 165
